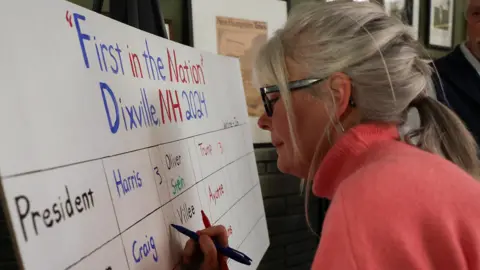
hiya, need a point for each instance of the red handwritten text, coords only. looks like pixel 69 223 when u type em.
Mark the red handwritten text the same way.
pixel 168 105
pixel 216 194
pixel 186 72
pixel 205 149
pixel 135 65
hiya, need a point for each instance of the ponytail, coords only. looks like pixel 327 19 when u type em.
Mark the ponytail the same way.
pixel 442 132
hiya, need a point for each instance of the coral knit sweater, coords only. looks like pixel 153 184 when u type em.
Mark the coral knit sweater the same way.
pixel 395 206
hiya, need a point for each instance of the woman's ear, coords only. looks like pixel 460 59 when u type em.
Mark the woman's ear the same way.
pixel 341 87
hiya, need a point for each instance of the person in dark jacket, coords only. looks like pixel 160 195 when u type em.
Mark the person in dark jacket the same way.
pixel 457 82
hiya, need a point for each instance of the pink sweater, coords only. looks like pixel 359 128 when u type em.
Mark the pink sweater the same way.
pixel 395 206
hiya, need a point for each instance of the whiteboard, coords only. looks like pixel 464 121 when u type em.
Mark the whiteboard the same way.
pixel 110 134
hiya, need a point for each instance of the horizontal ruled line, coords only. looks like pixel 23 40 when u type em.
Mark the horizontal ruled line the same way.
pixel 243 240
pixel 248 234
pixel 169 201
pixel 235 203
pixel 7 177
pixel 205 178
pixel 95 250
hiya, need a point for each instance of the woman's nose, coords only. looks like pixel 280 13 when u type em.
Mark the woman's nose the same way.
pixel 265 122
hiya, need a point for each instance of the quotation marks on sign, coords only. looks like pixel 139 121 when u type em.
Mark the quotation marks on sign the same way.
pixel 68 17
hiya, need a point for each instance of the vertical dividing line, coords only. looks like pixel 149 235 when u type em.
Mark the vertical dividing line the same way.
pixel 158 193
pixel 116 217
pixel 191 161
pixel 193 171
pixel 153 174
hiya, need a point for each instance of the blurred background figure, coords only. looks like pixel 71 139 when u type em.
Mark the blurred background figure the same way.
pixel 457 82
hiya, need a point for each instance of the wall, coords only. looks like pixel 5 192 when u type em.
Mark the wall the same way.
pixel 292 243
pixel 459 25
pixel 173 10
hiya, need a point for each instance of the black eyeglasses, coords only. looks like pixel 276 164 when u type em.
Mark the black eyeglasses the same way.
pixel 292 86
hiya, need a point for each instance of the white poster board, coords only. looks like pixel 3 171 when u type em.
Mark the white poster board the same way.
pixel 111 134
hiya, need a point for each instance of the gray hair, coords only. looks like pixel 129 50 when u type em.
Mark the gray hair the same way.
pixel 382 58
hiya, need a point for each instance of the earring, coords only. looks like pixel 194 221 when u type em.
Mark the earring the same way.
pixel 351 102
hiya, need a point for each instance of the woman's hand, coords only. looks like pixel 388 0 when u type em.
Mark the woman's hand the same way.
pixel 203 255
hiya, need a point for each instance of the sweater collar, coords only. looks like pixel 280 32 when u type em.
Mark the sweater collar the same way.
pixel 345 156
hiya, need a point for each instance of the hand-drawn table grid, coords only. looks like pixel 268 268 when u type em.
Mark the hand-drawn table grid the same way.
pixel 215 172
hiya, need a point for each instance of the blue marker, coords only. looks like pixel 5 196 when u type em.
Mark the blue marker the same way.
pixel 225 251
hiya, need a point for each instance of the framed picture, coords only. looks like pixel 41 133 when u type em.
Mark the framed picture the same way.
pixel 238 28
pixel 408 11
pixel 440 24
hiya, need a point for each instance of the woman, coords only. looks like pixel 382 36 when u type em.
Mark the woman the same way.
pixel 340 79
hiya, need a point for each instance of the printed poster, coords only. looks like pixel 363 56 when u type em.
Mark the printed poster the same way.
pixel 240 38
